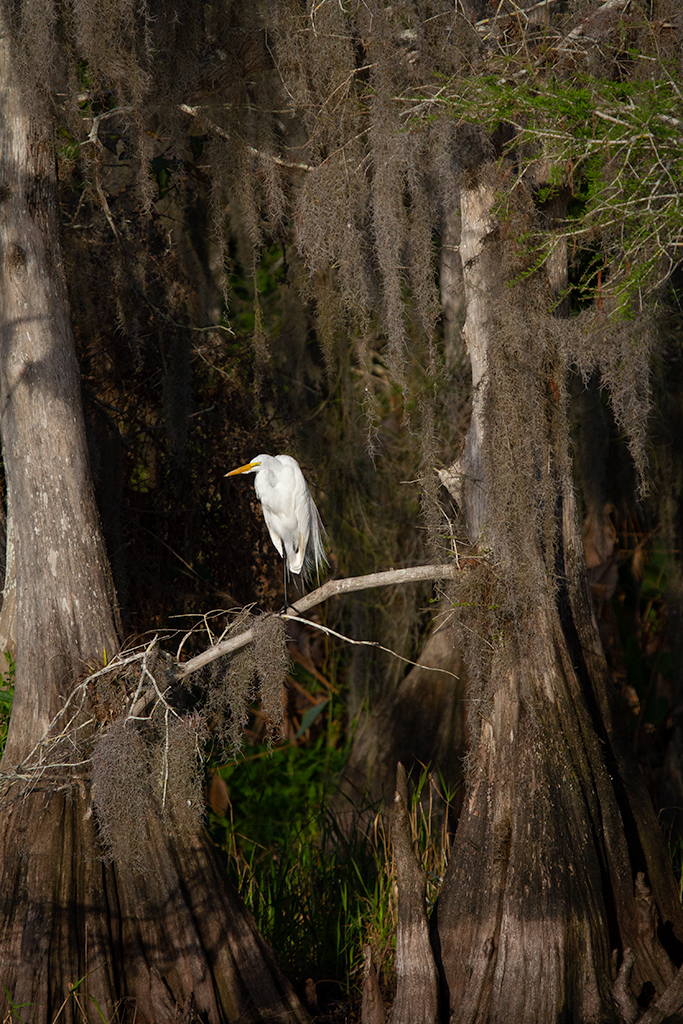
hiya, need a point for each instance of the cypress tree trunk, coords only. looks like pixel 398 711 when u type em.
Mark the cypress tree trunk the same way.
pixel 558 859
pixel 420 724
pixel 98 937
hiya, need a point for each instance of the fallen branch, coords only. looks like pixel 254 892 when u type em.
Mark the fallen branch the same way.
pixel 332 588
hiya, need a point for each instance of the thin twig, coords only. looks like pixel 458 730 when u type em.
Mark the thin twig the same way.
pixel 332 588
pixel 366 643
pixel 292 164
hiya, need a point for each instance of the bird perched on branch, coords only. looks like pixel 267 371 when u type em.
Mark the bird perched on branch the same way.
pixel 293 521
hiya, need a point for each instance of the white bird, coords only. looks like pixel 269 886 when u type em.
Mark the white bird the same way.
pixel 293 521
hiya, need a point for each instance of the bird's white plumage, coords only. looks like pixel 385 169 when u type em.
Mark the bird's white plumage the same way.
pixel 293 521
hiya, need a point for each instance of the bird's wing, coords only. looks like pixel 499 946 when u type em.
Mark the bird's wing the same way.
pixel 272 524
pixel 292 519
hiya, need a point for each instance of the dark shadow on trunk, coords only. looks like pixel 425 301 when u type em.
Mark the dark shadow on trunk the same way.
pixel 421 724
pixel 169 941
pixel 558 859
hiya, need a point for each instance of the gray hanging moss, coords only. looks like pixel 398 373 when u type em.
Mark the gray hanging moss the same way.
pixel 352 131
pixel 123 793
pixel 272 663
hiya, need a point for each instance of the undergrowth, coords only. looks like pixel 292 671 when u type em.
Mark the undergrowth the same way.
pixel 318 893
pixel 6 698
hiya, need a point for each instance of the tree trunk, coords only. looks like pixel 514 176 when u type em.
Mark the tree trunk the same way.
pixel 8 612
pixel 419 724
pixel 416 1000
pixel 101 938
pixel 558 859
pixel 167 943
pixel 65 620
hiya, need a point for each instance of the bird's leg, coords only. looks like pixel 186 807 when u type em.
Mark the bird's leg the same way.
pixel 284 563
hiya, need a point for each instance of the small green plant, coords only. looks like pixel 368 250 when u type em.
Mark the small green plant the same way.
pixel 14 1010
pixel 78 997
pixel 6 698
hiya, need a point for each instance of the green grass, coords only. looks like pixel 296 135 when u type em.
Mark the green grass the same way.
pixel 6 698
pixel 317 893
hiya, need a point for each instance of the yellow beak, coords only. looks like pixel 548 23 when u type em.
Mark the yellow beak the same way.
pixel 243 469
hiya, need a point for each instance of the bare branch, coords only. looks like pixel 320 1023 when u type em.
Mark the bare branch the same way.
pixel 367 643
pixel 332 588
pixel 294 165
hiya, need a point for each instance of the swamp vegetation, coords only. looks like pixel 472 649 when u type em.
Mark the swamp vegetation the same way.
pixel 432 250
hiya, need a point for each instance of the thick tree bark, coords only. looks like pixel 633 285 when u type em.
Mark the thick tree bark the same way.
pixel 420 724
pixel 155 945
pixel 372 1005
pixel 416 1000
pixel 544 880
pixel 65 620
pixel 101 938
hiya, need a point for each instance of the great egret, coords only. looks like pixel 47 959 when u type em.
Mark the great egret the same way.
pixel 293 521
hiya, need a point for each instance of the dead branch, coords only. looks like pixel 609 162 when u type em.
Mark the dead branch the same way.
pixel 57 759
pixel 294 165
pixel 332 588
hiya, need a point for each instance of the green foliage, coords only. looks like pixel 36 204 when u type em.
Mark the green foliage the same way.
pixel 317 893
pixel 6 698
pixel 162 169
pixel 612 144
pixel 294 870
pixel 270 275
pixel 14 1010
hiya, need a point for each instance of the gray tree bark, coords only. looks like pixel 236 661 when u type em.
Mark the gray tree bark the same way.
pixel 64 612
pixel 557 834
pixel 81 937
pixel 416 1000
pixel 8 612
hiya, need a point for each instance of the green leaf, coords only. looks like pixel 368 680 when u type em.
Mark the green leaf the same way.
pixel 310 717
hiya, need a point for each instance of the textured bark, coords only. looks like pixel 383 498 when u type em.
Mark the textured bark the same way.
pixel 8 612
pixel 81 938
pixel 158 945
pixel 372 1005
pixel 465 478
pixel 64 602
pixel 416 1000
pixel 542 881
pixel 668 1005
